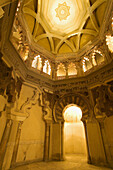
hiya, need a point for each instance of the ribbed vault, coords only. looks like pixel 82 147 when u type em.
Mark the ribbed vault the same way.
pixel 39 21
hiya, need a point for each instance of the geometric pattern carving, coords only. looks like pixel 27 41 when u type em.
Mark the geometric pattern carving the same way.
pixel 71 98
pixel 73 36
pixel 62 11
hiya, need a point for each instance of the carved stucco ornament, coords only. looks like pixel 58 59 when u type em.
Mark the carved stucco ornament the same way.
pixel 104 101
pixel 62 12
pixel 47 109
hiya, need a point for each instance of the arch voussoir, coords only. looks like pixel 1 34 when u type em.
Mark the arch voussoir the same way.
pixel 71 98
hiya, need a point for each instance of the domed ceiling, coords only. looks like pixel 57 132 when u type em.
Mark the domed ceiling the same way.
pixel 63 26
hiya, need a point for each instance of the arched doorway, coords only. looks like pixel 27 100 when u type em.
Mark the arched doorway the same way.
pixel 58 152
pixel 74 134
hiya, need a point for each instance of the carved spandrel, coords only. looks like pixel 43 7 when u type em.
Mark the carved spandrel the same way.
pixel 103 98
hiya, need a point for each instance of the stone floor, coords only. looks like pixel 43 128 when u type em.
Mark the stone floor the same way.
pixel 72 162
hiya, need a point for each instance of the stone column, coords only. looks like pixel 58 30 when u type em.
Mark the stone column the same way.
pixel 5 140
pixel 53 71
pixel 51 74
pixel 107 56
pixel 79 69
pixel 47 140
pixel 42 64
pixel 66 68
pixel 56 69
pixel 30 59
pixel 90 60
pixel 87 143
pixel 94 63
pixel 17 140
pixel 62 140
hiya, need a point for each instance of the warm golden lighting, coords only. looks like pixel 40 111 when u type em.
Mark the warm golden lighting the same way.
pixel 74 136
pixel 47 67
pixel 72 69
pixel 109 39
pixel 61 71
pixel 109 42
pixel 62 12
pixel 73 114
pixel 62 15
pixel 37 63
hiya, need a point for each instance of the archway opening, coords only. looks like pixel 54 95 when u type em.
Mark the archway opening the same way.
pixel 74 133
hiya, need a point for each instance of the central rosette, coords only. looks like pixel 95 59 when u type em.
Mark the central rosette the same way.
pixel 62 11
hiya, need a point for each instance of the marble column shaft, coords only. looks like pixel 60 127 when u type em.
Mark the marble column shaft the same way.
pixel 5 140
pixel 47 142
pixel 62 140
pixel 87 143
pixel 43 61
pixel 17 140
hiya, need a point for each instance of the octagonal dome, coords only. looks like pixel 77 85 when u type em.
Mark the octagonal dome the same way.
pixel 48 13
pixel 62 27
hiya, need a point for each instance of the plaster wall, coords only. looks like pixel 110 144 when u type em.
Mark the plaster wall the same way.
pixel 31 144
pixel 108 124
pixel 95 143
pixel 74 138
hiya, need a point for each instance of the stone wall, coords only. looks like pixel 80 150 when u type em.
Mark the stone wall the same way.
pixel 31 145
